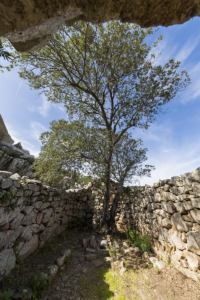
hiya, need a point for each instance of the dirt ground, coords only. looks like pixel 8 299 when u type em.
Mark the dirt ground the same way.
pixel 80 280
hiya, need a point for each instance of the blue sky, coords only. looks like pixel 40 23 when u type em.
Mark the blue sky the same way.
pixel 173 140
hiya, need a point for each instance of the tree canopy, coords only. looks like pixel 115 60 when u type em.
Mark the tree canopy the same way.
pixel 106 76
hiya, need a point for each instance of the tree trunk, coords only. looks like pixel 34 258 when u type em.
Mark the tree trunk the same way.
pixel 106 200
pixel 115 202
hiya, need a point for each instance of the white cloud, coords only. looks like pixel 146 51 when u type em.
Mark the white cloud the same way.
pixel 42 109
pixel 168 156
pixel 19 137
pixel 187 49
pixel 36 130
pixel 45 107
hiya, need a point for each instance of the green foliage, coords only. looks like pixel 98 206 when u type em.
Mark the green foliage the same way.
pixel 108 80
pixel 39 284
pixel 17 242
pixel 6 199
pixel 142 241
pixel 3 53
pixel 6 295
pixel 68 258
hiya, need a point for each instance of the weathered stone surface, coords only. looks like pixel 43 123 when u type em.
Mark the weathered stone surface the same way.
pixel 16 222
pixel 93 242
pixel 192 259
pixel 7 262
pixel 175 239
pixel 196 188
pixel 60 261
pixel 195 175
pixel 48 232
pixel 187 205
pixel 166 223
pixel 15 176
pixel 180 208
pixel 4 135
pixel 28 248
pixel 26 233
pixel 47 213
pixel 163 234
pixel 195 214
pixel 168 207
pixel 90 257
pixel 29 26
pixel 195 202
pixel 178 222
pixel 5 174
pixel 6 217
pixel 193 242
pixel 29 219
pixel 6 183
pixel 52 271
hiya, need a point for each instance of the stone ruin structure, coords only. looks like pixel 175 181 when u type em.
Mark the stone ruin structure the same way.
pixel 4 135
pixel 14 158
pixel 29 24
pixel 31 212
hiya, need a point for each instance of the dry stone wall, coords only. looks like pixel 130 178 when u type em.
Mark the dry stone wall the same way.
pixel 169 211
pixel 13 158
pixel 31 213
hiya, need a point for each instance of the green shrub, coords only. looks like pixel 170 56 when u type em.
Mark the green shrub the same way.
pixel 6 295
pixel 39 285
pixel 142 241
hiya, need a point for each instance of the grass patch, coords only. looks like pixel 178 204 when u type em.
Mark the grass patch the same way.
pixel 142 241
pixel 104 284
pixel 6 295
pixel 39 284
pixel 68 258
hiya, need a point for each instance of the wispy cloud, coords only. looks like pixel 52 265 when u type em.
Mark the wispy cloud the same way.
pixel 18 89
pixel 36 130
pixel 171 158
pixel 19 136
pixel 187 48
pixel 44 107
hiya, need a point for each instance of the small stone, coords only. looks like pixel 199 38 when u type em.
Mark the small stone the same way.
pixel 159 264
pixel 52 271
pixel 126 251
pixel 103 244
pixel 125 245
pixel 24 294
pixel 97 263
pixel 85 243
pixel 108 259
pixel 145 256
pixel 90 257
pixel 93 242
pixel 90 250
pixel 122 271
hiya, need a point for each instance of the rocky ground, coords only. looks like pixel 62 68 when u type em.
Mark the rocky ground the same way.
pixel 120 272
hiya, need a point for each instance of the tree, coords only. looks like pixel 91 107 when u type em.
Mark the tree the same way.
pixel 3 53
pixel 107 75
pixel 75 145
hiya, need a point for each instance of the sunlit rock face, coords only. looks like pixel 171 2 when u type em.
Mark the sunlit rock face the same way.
pixel 29 24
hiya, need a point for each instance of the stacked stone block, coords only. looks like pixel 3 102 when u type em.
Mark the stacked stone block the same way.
pixel 31 213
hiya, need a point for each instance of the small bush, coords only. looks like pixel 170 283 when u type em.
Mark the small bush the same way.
pixel 142 241
pixel 6 295
pixel 39 285
pixel 68 258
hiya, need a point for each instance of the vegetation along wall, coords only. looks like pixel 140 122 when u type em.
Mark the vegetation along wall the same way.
pixel 31 213
pixel 169 211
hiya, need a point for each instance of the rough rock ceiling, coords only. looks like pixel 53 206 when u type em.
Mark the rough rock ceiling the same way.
pixel 28 24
